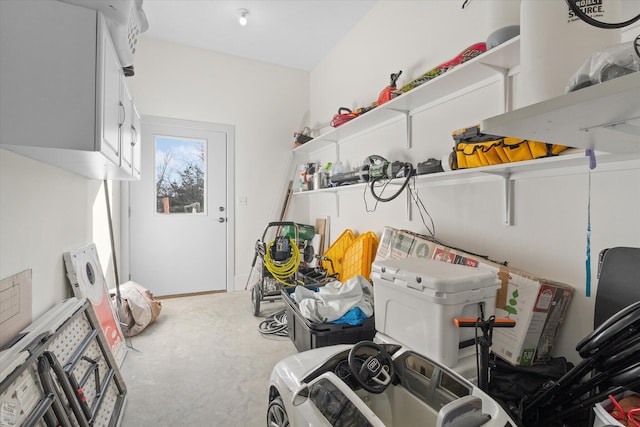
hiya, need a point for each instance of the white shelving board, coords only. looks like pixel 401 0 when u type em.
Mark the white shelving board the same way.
pixel 487 65
pixel 573 161
pixel 570 162
pixel 604 117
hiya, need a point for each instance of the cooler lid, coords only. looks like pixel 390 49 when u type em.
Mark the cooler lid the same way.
pixel 420 273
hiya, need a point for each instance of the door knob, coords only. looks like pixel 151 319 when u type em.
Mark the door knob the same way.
pixel 221 219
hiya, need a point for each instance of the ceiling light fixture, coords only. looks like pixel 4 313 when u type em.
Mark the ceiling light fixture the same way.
pixel 243 16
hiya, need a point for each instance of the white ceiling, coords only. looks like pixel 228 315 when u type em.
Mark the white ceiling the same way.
pixel 291 33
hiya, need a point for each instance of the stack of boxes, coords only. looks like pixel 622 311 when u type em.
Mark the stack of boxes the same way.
pixel 537 305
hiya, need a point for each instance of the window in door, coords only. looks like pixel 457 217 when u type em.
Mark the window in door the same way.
pixel 180 175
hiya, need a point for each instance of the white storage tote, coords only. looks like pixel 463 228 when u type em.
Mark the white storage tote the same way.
pixel 417 300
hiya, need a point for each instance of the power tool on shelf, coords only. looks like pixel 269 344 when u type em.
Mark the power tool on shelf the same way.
pixel 390 92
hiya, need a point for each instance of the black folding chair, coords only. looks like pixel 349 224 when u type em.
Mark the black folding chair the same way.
pixel 611 353
pixel 618 282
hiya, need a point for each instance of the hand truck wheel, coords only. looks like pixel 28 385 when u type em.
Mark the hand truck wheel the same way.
pixel 255 300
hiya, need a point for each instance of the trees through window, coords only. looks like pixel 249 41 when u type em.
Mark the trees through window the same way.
pixel 180 175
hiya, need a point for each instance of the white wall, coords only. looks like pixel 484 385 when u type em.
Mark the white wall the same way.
pixel 397 35
pixel 265 103
pixel 548 237
pixel 44 212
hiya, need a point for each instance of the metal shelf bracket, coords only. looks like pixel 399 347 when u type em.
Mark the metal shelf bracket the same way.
pixel 507 191
pixel 508 198
pixel 506 89
pixel 407 122
pixel 631 127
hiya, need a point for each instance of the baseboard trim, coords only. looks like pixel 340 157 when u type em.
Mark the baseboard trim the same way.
pixel 192 294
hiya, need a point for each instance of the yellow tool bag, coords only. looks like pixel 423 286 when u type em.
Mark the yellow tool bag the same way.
pixel 474 149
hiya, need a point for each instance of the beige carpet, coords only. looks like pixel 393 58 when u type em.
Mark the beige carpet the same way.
pixel 202 363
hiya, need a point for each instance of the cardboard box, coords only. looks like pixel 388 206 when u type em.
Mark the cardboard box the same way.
pixel 537 305
pixel 400 244
pixel 447 254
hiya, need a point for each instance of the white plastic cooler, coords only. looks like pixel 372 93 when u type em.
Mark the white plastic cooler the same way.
pixel 417 300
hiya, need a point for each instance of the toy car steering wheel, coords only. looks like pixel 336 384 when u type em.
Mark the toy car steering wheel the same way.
pixel 375 374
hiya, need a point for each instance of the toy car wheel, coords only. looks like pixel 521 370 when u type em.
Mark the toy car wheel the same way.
pixel 255 300
pixel 276 414
pixel 375 374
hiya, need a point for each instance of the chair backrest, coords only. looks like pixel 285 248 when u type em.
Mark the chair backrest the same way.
pixel 618 282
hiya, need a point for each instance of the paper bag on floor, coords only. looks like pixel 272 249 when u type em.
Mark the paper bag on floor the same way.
pixel 139 308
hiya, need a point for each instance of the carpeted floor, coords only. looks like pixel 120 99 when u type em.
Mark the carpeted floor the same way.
pixel 202 363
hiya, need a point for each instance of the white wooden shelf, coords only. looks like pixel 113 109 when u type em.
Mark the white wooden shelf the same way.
pixel 604 117
pixel 570 162
pixel 489 64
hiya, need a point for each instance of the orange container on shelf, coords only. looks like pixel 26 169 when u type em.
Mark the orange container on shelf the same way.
pixel 336 253
pixel 359 256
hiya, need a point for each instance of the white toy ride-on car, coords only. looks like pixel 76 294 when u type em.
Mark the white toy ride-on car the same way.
pixel 369 384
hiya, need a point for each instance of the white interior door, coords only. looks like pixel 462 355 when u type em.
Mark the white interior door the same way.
pixel 180 219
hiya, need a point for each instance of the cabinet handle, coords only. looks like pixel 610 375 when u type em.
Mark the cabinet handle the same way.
pixel 124 114
pixel 134 136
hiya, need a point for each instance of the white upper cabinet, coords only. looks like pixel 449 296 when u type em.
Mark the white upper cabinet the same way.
pixel 136 146
pixel 130 135
pixel 113 115
pixel 126 129
pixel 63 96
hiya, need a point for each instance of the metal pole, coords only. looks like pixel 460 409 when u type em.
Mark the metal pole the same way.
pixel 113 248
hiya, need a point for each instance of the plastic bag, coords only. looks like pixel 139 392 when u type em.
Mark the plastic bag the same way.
pixel 604 65
pixel 335 299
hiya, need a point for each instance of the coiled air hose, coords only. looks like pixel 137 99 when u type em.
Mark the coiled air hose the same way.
pixel 282 270
pixel 276 324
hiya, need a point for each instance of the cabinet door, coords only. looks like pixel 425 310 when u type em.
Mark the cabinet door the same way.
pixel 136 142
pixel 111 105
pixel 126 131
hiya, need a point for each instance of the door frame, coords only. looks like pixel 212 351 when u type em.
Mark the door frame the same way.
pixel 125 207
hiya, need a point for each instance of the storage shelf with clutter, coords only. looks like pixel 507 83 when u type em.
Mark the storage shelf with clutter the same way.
pixel 495 62
pixel 604 118
pixel 570 162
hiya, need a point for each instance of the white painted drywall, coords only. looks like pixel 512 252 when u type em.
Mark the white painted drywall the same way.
pixel 548 237
pixel 44 212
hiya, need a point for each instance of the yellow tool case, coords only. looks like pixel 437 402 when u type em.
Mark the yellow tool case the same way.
pixel 474 149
